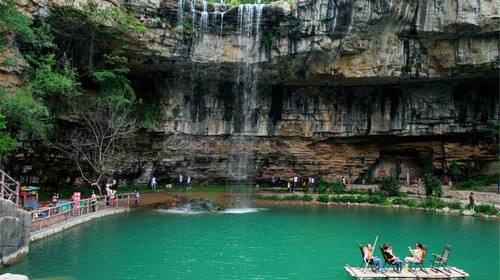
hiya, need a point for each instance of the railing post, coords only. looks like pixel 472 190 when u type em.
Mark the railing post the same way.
pixel 2 184
pixel 17 195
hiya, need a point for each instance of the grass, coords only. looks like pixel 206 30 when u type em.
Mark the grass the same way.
pixel 432 203
pixel 487 209
pixel 402 201
pixel 477 183
pixel 307 198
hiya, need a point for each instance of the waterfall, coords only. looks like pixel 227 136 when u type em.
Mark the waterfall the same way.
pixel 193 15
pixel 204 17
pixel 245 125
pixel 248 25
pixel 180 12
pixel 221 23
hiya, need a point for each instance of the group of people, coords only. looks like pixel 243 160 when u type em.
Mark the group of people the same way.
pixel 417 256
pixel 110 192
pixel 294 182
pixel 181 182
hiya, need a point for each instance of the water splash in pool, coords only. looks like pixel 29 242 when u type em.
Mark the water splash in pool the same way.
pixel 243 210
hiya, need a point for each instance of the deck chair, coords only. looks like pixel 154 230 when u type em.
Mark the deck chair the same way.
pixel 387 263
pixel 370 263
pixel 421 263
pixel 442 260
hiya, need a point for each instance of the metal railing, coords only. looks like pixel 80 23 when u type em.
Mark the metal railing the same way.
pixel 49 216
pixel 9 188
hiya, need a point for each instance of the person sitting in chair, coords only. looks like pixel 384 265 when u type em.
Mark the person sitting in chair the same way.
pixel 417 254
pixel 391 258
pixel 369 258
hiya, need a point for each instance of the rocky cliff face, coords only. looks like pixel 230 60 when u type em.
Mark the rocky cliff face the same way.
pixel 15 227
pixel 330 87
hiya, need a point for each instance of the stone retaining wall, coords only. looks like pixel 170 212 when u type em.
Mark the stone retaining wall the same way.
pixel 15 227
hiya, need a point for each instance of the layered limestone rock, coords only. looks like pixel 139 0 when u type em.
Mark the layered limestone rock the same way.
pixel 328 87
pixel 15 228
pixel 318 41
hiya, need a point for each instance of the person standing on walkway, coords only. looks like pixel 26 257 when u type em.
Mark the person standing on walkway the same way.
pixel 136 196
pixel 153 183
pixel 471 201
pixel 93 200
pixel 55 199
pixel 295 182
pixel 189 182
pixel 180 179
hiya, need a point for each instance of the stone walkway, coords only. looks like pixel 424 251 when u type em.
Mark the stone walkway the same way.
pixel 49 231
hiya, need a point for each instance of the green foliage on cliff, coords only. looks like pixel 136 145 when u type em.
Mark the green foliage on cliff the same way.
pixel 13 21
pixel 47 79
pixel 235 3
pixel 59 67
pixel 6 142
pixel 24 114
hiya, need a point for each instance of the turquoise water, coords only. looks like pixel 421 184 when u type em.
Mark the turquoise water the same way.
pixel 302 243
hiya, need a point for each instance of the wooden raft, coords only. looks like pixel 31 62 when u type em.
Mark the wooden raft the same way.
pixel 453 273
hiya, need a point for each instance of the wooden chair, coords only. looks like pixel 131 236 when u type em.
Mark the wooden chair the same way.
pixel 442 260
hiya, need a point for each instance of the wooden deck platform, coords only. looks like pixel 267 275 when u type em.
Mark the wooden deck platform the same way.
pixel 454 273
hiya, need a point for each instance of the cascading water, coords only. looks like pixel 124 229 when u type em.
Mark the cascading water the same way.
pixel 248 31
pixel 180 12
pixel 240 165
pixel 204 17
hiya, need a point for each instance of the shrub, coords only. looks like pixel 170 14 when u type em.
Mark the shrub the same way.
pixel 337 187
pixel 272 197
pixel 431 202
pixel 454 170
pixel 323 188
pixel 454 205
pixel 307 198
pixel 486 209
pixel 478 183
pixel 291 197
pixel 323 198
pixel 432 186
pixel 389 186
pixel 402 201
pixel 376 199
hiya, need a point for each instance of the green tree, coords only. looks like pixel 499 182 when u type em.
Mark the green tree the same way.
pixel 429 164
pixel 389 186
pixel 454 170
pixel 432 186
pixel 398 170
